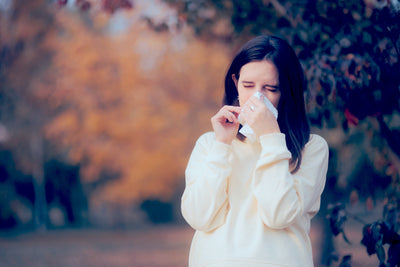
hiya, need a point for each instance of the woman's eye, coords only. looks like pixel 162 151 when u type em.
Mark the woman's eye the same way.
pixel 271 89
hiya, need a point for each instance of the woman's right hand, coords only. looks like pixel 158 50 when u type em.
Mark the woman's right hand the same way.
pixel 225 123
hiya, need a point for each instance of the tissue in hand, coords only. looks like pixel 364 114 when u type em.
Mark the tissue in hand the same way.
pixel 267 103
pixel 246 130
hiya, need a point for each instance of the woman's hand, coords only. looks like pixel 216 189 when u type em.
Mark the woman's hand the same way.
pixel 259 117
pixel 226 124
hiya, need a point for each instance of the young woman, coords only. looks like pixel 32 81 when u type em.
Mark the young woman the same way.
pixel 251 200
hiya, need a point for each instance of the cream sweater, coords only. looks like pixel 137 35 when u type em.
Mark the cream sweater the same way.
pixel 246 207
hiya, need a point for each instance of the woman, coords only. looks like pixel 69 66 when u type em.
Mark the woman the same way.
pixel 251 200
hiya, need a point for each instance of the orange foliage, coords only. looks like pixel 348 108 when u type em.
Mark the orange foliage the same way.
pixel 132 105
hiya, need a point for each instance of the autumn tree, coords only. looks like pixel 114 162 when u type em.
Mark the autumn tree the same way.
pixel 24 67
pixel 126 107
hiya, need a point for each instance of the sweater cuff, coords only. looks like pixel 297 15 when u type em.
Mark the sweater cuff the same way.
pixel 273 143
pixel 220 151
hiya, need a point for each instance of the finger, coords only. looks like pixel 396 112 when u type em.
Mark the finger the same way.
pixel 226 116
pixel 230 117
pixel 234 109
pixel 231 113
pixel 248 108
pixel 245 113
pixel 255 101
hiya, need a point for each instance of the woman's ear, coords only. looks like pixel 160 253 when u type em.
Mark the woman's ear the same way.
pixel 235 80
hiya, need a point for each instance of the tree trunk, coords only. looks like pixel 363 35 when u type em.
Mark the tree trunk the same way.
pixel 40 205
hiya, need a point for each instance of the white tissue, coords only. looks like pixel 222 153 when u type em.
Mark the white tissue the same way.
pixel 246 129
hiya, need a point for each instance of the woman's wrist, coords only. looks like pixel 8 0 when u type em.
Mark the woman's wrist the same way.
pixel 225 140
pixel 273 129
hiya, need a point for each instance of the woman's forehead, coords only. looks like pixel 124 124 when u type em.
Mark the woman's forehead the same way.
pixel 259 70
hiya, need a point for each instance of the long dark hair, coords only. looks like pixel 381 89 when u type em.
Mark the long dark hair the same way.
pixel 292 118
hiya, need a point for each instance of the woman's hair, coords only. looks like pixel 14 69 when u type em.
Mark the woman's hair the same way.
pixel 292 118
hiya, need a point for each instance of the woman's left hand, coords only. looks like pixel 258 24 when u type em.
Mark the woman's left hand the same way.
pixel 259 117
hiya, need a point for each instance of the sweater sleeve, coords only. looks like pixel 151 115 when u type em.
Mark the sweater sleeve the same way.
pixel 204 202
pixel 281 196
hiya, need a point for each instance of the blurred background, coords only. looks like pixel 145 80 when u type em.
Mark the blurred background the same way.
pixel 101 102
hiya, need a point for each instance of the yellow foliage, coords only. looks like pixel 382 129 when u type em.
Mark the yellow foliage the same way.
pixel 132 105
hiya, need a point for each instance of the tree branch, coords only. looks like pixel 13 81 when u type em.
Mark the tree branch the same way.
pixel 392 139
pixel 282 11
pixel 394 43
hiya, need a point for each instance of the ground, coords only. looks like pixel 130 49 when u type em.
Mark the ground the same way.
pixel 151 246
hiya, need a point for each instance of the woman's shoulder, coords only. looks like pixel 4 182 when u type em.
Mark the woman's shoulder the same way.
pixel 317 139
pixel 317 142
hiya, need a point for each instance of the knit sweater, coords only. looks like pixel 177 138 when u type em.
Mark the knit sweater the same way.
pixel 245 205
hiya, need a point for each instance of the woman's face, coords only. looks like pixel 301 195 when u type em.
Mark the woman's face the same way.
pixel 258 76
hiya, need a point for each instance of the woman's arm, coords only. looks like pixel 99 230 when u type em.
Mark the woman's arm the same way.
pixel 281 196
pixel 204 202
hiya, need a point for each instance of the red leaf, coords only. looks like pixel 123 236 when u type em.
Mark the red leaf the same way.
pixel 351 118
pixel 112 5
